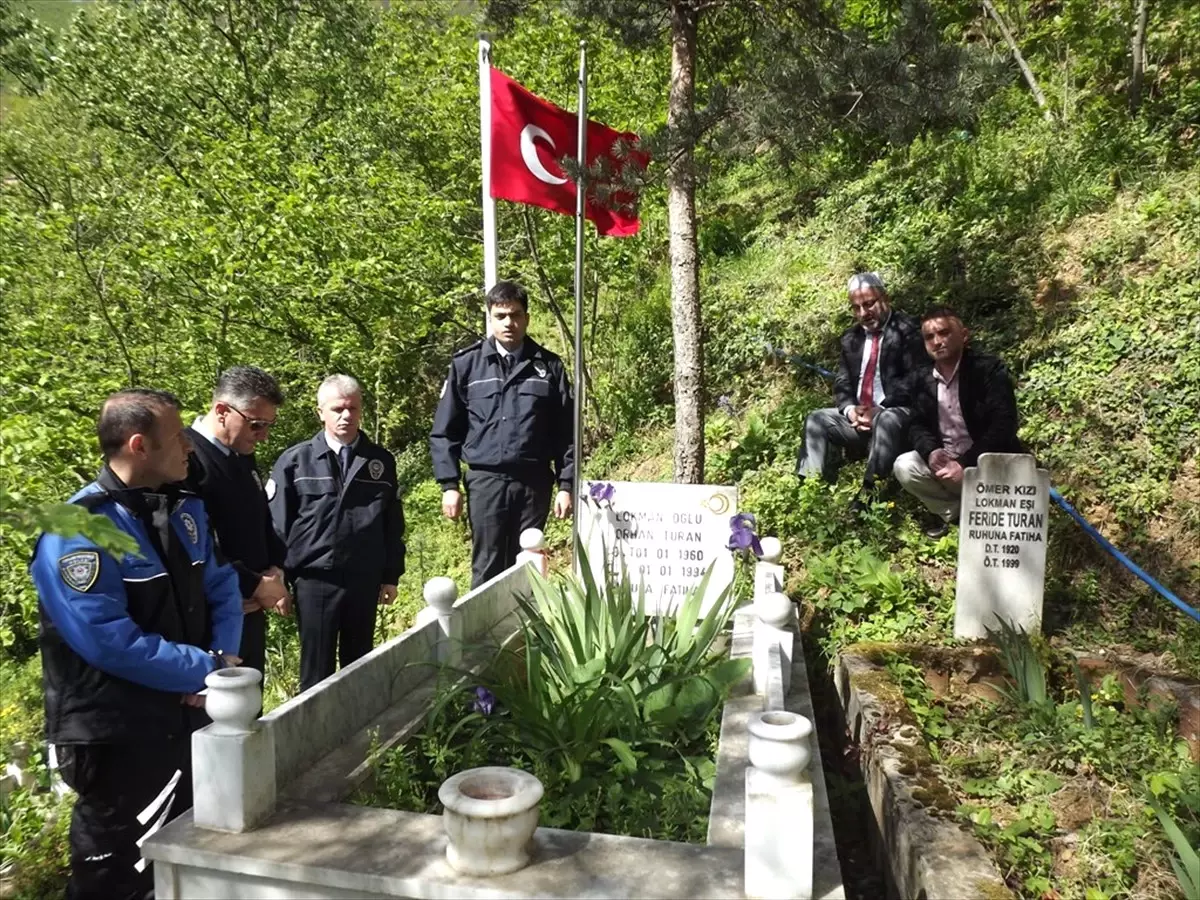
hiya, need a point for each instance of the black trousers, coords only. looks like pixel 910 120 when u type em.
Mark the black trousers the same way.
pixel 126 792
pixel 254 641
pixel 337 621
pixel 500 507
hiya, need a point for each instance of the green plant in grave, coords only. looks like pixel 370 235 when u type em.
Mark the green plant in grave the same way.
pixel 591 650
pixel 599 682
pixel 1023 662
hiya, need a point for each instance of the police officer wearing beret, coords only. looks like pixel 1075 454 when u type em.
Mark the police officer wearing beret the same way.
pixel 335 503
pixel 127 641
pixel 507 412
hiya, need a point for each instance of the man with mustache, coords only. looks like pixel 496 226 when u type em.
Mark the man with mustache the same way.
pixel 871 417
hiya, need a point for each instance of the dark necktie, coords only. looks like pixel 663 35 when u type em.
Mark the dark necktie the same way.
pixel 866 392
pixel 345 457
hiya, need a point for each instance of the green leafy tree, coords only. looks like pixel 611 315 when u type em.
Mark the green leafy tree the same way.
pixel 780 73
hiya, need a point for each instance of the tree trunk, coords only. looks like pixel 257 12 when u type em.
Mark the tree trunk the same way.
pixel 1021 64
pixel 681 220
pixel 1138 49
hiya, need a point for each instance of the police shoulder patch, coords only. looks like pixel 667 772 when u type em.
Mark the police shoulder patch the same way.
pixel 539 368
pixel 80 569
pixel 270 489
pixel 189 525
pixel 375 467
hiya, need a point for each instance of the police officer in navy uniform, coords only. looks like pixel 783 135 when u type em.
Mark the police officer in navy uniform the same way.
pixel 507 411
pixel 335 503
pixel 223 472
pixel 127 641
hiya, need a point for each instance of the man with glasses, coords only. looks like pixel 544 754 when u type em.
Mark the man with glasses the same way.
pixel 879 354
pixel 222 471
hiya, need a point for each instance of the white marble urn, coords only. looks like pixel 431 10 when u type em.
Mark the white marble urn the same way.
pixel 233 699
pixel 775 609
pixel 780 744
pixel 490 816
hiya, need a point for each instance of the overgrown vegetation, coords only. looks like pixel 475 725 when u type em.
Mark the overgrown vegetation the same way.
pixel 1067 805
pixel 618 713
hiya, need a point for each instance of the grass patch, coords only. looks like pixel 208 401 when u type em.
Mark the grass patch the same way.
pixel 1063 806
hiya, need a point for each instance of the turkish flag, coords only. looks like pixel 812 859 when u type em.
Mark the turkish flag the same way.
pixel 530 135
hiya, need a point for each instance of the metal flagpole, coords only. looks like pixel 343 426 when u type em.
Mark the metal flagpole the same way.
pixel 580 201
pixel 490 253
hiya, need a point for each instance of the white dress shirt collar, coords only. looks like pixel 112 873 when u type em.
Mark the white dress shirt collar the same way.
pixel 336 446
pixel 200 426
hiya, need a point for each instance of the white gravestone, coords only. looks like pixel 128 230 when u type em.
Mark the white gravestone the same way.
pixel 1001 545
pixel 666 534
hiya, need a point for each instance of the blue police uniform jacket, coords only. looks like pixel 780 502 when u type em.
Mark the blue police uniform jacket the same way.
pixel 514 421
pixel 122 638
pixel 350 528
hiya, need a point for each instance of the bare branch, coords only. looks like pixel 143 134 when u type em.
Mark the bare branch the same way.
pixel 1021 64
pixel 564 329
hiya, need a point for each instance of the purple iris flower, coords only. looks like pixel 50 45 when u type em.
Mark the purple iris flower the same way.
pixel 742 536
pixel 601 490
pixel 485 701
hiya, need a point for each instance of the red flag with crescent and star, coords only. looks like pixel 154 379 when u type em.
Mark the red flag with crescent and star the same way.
pixel 530 135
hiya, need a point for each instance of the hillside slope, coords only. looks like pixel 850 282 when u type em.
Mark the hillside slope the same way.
pixel 1081 272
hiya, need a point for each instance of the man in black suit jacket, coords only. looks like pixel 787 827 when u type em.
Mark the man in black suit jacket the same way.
pixel 964 406
pixel 871 389
pixel 222 471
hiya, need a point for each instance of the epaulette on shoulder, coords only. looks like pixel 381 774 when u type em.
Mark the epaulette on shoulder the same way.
pixel 91 502
pixel 465 350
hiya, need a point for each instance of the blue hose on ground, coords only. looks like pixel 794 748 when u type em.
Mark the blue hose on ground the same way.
pixel 796 360
pixel 1057 498
pixel 1119 556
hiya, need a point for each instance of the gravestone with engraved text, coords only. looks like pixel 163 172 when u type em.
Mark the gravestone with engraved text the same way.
pixel 666 534
pixel 1001 545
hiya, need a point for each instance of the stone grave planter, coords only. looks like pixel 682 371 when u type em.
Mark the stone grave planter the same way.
pixel 233 699
pixel 490 816
pixel 780 743
pixel 926 853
